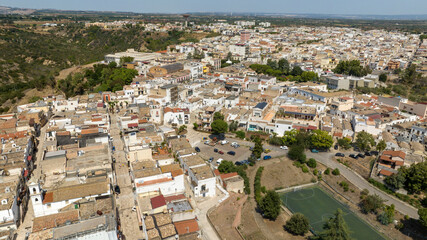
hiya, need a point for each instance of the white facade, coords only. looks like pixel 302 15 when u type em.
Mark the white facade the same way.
pixel 170 185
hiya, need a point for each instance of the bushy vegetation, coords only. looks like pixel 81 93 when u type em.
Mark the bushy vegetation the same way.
pixel 283 72
pixel 352 68
pixel 412 179
pixel 298 224
pixel 257 185
pixel 371 204
pixel 270 205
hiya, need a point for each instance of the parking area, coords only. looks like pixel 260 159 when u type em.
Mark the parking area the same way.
pixel 242 153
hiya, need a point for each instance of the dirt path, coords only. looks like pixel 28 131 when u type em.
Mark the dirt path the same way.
pixel 65 72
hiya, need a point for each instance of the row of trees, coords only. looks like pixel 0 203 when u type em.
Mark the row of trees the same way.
pixel 317 139
pixel 364 141
pixel 352 68
pixel 282 71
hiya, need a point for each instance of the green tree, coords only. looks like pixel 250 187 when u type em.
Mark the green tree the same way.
pixel 227 167
pixel 258 149
pixel 271 204
pixel 415 177
pixel 395 181
pixel 336 228
pixel 296 71
pixel 218 116
pixel 195 126
pixel 126 59
pixel 344 143
pixel 352 68
pixel 422 212
pixel 321 139
pixel 381 146
pixel 364 141
pixel 312 163
pixel 371 204
pixel 296 152
pixel 284 66
pixel 383 77
pixel 387 216
pixel 182 129
pixel 298 224
pixel 336 172
pixel 290 137
pixel 240 134
pixel 309 76
pixel 233 126
pixel 219 126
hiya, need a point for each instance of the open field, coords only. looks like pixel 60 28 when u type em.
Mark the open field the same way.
pixel 318 207
pixel 283 174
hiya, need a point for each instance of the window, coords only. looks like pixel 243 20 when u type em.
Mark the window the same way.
pixel 36 199
pixel 34 190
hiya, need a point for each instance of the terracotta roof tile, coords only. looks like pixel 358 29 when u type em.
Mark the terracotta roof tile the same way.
pixel 188 226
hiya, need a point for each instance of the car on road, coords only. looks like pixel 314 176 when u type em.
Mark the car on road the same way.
pixel 266 157
pixel 223 142
pixel 219 161
pixel 267 150
pixel 207 142
pixel 361 155
pixel 314 151
pixel 215 149
pixel 117 189
pixel 353 156
pixel 210 159
pixel 368 153
pixel 221 152
pixel 197 149
pixel 339 155
pixel 232 153
pixel 284 147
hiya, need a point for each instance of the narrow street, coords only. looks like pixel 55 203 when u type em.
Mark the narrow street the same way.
pixel 326 158
pixel 125 201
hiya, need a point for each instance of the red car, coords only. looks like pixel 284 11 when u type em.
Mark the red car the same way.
pixel 221 152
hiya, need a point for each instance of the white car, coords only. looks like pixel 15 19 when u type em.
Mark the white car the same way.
pixel 207 142
pixel 235 145
pixel 223 142
pixel 219 161
pixel 284 147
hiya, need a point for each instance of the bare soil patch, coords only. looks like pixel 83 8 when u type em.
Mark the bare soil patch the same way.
pixel 361 165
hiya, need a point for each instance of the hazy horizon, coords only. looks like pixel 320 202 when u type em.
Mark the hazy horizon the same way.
pixel 332 7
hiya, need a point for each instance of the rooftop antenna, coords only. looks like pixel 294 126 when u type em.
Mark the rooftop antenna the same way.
pixel 186 16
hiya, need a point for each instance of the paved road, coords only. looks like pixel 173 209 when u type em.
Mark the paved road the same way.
pixel 126 199
pixel 327 159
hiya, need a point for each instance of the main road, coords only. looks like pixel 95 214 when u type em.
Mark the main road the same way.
pixel 326 158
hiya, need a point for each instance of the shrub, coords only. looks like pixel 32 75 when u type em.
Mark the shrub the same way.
pixel 312 163
pixel 304 169
pixel 327 171
pixel 336 172
pixel 271 205
pixel 344 185
pixel 315 172
pixel 240 134
pixel 371 203
pixel 298 224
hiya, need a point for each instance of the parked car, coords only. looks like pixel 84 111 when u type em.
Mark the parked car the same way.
pixel 266 157
pixel 215 149
pixel 219 161
pixel 374 153
pixel 245 161
pixel 223 142
pixel 117 189
pixel 235 145
pixel 211 159
pixel 314 150
pixel 339 155
pixel 231 153
pixel 267 150
pixel 368 153
pixel 284 147
pixel 207 142
pixel 197 149
pixel 221 152
pixel 361 155
pixel 336 147
pixel 251 148
pixel 238 163
pixel 353 156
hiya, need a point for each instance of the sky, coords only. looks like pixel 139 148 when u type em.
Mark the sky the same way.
pixel 364 7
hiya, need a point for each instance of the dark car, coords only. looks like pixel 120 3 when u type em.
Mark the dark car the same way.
pixel 215 149
pixel 353 156
pixel 374 153
pixel 266 157
pixel 117 189
pixel 361 155
pixel 245 161
pixel 221 152
pixel 314 151
pixel 238 163
pixel 336 147
pixel 339 155
pixel 197 149
pixel 251 148
pixel 231 153
pixel 368 154
pixel 211 159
